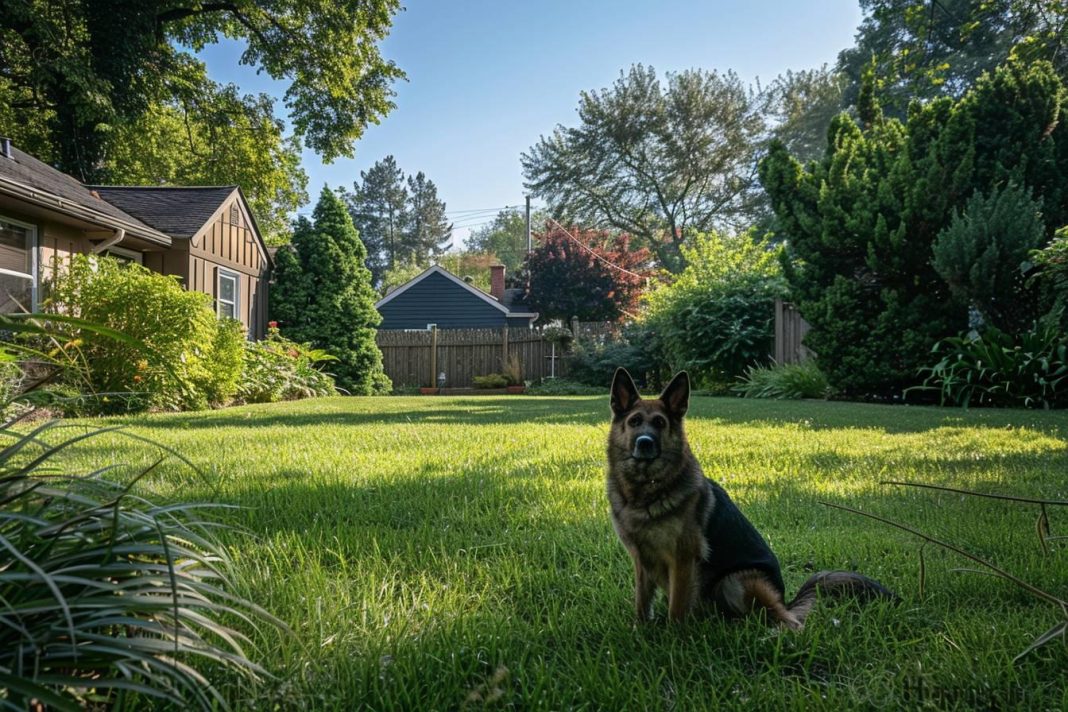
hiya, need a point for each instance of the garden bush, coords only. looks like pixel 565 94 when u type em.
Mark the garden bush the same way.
pixel 1051 272
pixel 784 381
pixel 277 369
pixel 886 234
pixel 998 369
pixel 490 380
pixel 717 318
pixel 564 387
pixel 191 358
pixel 984 256
pixel 593 363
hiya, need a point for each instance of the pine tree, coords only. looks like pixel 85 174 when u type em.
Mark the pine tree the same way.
pixel 322 294
pixel 427 231
pixel 984 256
pixel 378 207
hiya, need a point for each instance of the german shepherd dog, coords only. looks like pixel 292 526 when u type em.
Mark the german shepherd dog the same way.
pixel 683 532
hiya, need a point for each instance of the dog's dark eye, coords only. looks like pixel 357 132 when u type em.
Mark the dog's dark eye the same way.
pixel 659 423
pixel 635 421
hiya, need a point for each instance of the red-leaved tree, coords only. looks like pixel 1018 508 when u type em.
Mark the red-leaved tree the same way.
pixel 589 274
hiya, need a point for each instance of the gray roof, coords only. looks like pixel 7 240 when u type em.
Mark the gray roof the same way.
pixel 179 212
pixel 513 299
pixel 27 170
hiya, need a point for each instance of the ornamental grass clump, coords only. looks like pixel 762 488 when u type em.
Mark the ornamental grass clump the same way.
pixel 107 599
pixel 785 381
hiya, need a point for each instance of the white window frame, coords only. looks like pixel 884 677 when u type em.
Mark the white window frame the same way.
pixel 222 273
pixel 35 261
pixel 128 254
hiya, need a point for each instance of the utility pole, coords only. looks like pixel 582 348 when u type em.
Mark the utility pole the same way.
pixel 529 246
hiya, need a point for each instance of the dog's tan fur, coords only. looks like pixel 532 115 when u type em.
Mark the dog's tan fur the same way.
pixel 665 512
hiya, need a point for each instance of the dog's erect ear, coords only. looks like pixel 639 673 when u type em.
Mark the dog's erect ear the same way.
pixel 624 392
pixel 676 396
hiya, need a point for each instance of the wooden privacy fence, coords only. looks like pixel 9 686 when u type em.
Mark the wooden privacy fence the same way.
pixel 463 354
pixel 790 329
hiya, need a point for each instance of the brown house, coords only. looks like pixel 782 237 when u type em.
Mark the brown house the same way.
pixel 204 235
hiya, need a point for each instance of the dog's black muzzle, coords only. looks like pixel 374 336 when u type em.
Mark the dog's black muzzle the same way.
pixel 646 448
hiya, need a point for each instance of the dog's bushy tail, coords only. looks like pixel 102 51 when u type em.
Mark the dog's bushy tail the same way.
pixel 839 584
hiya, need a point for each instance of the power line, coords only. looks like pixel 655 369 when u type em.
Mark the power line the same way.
pixel 469 224
pixel 481 210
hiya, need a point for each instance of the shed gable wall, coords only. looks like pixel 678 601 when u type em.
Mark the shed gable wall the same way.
pixel 438 300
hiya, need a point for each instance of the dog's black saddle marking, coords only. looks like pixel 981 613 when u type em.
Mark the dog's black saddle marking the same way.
pixel 734 544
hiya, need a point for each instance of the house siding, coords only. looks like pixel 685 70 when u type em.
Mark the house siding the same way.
pixel 438 300
pixel 231 244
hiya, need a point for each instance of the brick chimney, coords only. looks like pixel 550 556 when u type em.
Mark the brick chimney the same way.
pixel 497 281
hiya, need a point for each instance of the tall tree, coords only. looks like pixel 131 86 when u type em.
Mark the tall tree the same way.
pixel 801 106
pixel 427 231
pixel 928 48
pixel 322 294
pixel 86 66
pixel 589 274
pixel 652 160
pixel 211 135
pixel 378 206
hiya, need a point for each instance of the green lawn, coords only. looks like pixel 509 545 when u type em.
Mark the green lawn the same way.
pixel 432 551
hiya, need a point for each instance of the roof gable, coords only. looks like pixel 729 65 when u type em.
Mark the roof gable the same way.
pixel 438 269
pixel 177 211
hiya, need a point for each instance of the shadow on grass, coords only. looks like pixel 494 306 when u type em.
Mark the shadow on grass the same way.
pixel 591 410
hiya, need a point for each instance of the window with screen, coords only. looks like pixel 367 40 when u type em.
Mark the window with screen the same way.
pixel 227 294
pixel 18 281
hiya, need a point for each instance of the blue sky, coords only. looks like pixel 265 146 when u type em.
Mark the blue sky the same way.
pixel 486 78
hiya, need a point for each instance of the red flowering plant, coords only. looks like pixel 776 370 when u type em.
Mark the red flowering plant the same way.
pixel 278 368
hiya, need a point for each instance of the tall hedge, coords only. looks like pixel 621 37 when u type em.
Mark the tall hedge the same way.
pixel 860 223
pixel 322 294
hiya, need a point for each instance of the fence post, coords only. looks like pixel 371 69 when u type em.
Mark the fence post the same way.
pixel 433 356
pixel 504 348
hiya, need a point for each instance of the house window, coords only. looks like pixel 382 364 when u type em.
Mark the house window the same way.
pixel 124 255
pixel 18 266
pixel 227 294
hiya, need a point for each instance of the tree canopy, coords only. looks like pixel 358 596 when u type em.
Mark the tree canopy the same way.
pixel 656 160
pixel 589 274
pixel 505 237
pixel 111 90
pixel 922 49
pixel 90 65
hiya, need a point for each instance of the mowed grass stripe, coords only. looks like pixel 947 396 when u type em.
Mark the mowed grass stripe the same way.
pixel 436 552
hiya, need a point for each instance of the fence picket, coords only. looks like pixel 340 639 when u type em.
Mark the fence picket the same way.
pixel 465 353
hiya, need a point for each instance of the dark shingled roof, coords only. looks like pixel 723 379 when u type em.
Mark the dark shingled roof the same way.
pixel 26 169
pixel 513 299
pixel 179 212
